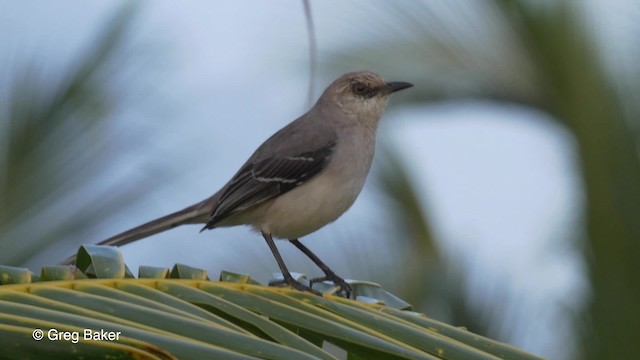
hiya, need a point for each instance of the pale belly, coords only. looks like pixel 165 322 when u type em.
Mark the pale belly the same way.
pixel 319 201
pixel 302 212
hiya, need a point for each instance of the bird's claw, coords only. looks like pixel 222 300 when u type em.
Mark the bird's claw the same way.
pixel 294 284
pixel 338 281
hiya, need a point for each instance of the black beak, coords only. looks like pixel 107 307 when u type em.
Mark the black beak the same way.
pixel 394 86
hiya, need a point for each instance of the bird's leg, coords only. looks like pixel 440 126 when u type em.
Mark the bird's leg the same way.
pixel 288 279
pixel 328 273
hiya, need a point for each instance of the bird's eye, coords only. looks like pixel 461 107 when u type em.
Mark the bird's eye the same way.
pixel 359 88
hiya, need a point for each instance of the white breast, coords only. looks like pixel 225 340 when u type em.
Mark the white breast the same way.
pixel 326 196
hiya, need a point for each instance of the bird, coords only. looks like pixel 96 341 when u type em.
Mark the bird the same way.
pixel 300 179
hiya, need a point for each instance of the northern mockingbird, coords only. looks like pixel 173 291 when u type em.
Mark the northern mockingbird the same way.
pixel 302 178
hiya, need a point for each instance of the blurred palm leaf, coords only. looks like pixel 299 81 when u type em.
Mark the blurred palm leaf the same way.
pixel 57 148
pixel 581 95
pixel 542 55
pixel 433 284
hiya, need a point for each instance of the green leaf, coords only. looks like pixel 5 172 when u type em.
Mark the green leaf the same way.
pixel 340 331
pixel 61 272
pixel 228 276
pixel 14 275
pixel 181 271
pixel 152 272
pixel 99 261
pixel 160 317
pixel 222 320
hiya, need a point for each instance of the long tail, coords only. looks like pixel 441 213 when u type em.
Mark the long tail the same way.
pixel 197 213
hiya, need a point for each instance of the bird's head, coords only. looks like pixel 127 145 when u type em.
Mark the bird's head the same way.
pixel 361 94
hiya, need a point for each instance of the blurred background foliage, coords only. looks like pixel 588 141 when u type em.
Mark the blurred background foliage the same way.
pixel 59 143
pixel 549 60
pixel 55 145
pixel 57 140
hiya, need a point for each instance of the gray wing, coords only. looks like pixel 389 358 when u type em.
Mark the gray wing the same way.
pixel 264 179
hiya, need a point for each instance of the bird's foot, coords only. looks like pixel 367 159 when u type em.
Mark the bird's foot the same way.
pixel 337 280
pixel 294 284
